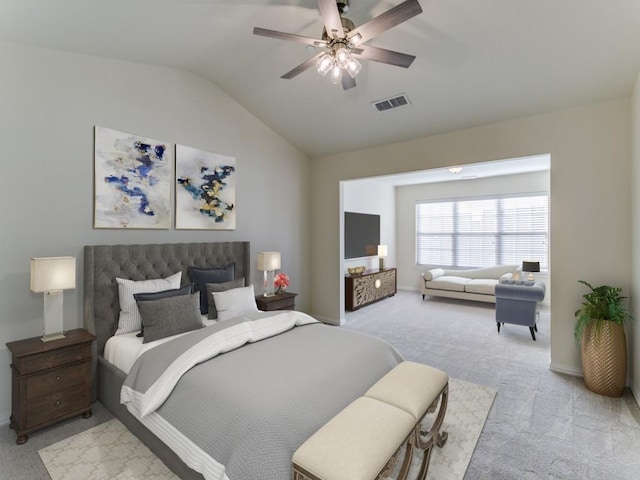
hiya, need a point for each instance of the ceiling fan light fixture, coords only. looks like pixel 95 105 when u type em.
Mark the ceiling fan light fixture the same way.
pixel 336 74
pixel 353 67
pixel 324 64
pixel 342 56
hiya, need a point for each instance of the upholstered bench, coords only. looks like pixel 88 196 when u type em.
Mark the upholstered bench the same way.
pixel 416 389
pixel 359 443
pixel 363 441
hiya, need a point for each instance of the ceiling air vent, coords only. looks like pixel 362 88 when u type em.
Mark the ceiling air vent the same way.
pixel 393 102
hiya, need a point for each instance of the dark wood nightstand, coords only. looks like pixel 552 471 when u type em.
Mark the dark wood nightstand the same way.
pixel 50 381
pixel 279 301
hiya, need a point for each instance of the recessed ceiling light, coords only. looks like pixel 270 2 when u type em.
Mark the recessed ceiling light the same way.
pixel 455 169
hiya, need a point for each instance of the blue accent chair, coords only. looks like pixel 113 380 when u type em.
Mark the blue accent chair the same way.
pixel 517 302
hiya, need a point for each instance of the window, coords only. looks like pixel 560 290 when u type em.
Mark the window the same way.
pixel 484 231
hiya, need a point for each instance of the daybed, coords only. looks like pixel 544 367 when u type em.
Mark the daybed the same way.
pixel 242 413
pixel 476 284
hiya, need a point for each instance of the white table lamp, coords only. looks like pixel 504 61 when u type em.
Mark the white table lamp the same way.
pixel 267 263
pixel 382 253
pixel 52 275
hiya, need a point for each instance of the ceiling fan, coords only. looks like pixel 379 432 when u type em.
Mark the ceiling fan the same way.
pixel 342 41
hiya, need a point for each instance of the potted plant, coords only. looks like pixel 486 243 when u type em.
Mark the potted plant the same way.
pixel 599 331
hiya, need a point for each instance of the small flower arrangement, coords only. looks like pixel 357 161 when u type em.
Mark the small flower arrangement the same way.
pixel 281 282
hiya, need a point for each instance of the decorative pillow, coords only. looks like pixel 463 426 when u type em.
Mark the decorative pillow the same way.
pixel 434 273
pixel 202 276
pixel 220 287
pixel 176 292
pixel 130 320
pixel 169 316
pixel 235 302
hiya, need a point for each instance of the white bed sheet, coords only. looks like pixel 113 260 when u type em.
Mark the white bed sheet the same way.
pixel 123 350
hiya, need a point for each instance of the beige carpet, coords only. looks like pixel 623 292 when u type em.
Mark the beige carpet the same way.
pixel 109 451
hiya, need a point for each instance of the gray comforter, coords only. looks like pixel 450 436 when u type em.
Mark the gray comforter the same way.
pixel 250 408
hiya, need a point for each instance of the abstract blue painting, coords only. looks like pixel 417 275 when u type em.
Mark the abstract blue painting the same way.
pixel 132 181
pixel 205 190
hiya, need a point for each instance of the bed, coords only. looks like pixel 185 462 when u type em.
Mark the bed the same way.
pixel 256 403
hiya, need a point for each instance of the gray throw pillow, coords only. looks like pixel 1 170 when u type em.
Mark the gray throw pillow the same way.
pixel 220 287
pixel 170 316
pixel 145 297
pixel 202 276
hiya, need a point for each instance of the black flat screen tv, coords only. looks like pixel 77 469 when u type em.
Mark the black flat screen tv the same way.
pixel 361 234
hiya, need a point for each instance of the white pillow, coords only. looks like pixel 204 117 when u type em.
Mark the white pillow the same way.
pixel 235 302
pixel 130 319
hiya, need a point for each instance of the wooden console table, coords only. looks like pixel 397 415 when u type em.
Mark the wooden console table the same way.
pixel 369 287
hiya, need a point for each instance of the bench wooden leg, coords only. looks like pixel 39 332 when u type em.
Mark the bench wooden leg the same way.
pixel 424 440
pixel 406 462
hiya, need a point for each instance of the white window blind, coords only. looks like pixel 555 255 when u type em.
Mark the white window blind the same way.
pixel 480 232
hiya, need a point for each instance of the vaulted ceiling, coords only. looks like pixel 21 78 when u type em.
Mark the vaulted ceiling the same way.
pixel 477 61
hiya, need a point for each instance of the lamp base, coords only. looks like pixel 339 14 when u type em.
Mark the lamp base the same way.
pixel 381 263
pixel 53 336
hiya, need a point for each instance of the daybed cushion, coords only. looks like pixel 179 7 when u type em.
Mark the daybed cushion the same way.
pixel 454 284
pixel 485 286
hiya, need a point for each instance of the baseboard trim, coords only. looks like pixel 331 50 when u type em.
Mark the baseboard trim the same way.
pixel 566 369
pixel 408 289
pixel 4 420
pixel 329 321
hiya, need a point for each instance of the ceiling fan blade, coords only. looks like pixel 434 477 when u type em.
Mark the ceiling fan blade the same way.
pixel 383 22
pixel 331 18
pixel 347 81
pixel 302 67
pixel 289 36
pixel 382 55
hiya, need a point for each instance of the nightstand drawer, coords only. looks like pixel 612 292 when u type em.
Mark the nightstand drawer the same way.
pixel 59 379
pixel 279 301
pixel 52 359
pixel 284 304
pixel 57 404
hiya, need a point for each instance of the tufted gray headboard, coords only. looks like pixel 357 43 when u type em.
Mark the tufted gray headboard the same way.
pixel 103 263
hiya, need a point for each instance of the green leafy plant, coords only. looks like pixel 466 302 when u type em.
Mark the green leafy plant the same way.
pixel 601 304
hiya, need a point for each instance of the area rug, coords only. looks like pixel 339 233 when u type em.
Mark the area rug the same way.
pixel 109 451
pixel 467 410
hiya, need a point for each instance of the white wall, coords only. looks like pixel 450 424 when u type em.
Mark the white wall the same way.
pixel 50 102
pixel 634 326
pixel 408 196
pixel 373 197
pixel 590 150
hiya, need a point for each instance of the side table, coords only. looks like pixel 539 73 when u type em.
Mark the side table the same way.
pixel 279 301
pixel 50 381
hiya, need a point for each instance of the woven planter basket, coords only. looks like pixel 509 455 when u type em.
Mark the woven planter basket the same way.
pixel 604 359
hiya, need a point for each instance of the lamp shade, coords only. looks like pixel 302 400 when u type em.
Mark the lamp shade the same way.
pixel 530 266
pixel 268 261
pixel 382 250
pixel 53 273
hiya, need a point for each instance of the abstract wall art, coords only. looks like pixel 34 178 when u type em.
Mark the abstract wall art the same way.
pixel 132 181
pixel 205 190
